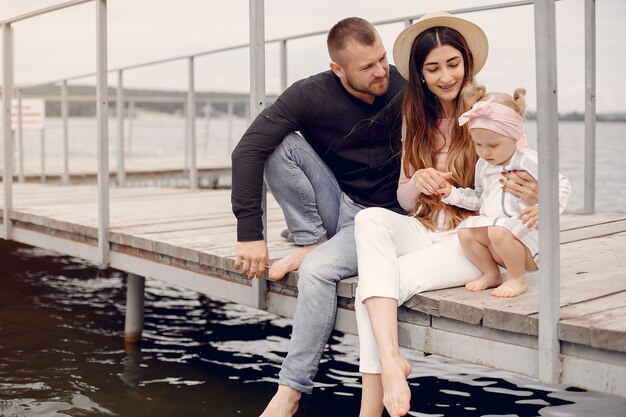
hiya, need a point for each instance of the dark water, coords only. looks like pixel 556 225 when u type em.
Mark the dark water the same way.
pixel 62 354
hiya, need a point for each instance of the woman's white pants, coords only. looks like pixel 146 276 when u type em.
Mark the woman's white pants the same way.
pixel 399 257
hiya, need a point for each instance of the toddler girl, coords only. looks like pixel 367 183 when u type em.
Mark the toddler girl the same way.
pixel 505 231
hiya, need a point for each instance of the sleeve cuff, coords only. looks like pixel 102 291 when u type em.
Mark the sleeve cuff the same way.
pixel 250 229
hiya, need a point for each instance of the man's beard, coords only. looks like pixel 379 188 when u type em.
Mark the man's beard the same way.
pixel 368 90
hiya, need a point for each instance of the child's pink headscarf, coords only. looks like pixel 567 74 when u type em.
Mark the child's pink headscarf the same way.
pixel 498 118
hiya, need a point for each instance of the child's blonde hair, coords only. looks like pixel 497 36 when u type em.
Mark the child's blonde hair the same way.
pixel 473 92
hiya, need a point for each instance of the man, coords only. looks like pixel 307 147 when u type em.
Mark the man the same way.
pixel 345 160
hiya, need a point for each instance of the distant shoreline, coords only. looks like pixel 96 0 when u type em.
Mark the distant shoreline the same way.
pixel 87 108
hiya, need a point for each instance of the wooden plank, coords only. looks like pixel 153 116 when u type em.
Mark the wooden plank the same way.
pixel 604 329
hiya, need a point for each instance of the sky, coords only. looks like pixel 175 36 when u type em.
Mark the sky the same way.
pixel 62 44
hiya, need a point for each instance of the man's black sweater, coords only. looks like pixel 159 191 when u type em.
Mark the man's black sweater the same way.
pixel 359 142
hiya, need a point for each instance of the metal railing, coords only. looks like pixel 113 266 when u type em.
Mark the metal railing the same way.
pixel 547 124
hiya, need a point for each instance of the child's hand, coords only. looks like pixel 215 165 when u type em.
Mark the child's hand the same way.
pixel 445 191
pixel 530 216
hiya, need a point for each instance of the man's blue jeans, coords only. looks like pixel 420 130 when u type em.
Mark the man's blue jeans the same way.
pixel 315 209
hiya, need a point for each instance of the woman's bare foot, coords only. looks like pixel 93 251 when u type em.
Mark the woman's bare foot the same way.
pixel 284 403
pixel 512 287
pixel 397 394
pixel 488 280
pixel 290 262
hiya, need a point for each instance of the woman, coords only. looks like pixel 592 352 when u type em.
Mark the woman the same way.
pixel 399 256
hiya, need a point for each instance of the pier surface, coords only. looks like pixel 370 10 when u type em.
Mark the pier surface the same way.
pixel 188 238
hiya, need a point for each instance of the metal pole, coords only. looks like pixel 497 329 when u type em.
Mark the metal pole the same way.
pixel 231 116
pixel 129 133
pixel 20 136
pixel 207 123
pixel 191 127
pixel 548 134
pixel 119 109
pixel 7 133
pixel 64 115
pixel 133 322
pixel 283 65
pixel 590 106
pixel 43 155
pixel 257 104
pixel 102 107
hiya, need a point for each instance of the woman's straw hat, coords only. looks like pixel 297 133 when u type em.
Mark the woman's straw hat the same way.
pixel 474 36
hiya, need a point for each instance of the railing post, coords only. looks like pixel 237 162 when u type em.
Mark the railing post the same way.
pixel 283 65
pixel 231 116
pixel 64 114
pixel 590 106
pixel 7 133
pixel 257 104
pixel 191 127
pixel 102 107
pixel 119 110
pixel 548 146
pixel 20 137
pixel 43 155
pixel 129 134
pixel 207 123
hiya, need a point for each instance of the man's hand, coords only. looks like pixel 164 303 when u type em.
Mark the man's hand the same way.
pixel 252 257
pixel 521 184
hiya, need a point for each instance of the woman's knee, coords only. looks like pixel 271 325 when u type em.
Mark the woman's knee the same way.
pixel 371 217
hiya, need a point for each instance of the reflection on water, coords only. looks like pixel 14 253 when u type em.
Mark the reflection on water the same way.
pixel 62 353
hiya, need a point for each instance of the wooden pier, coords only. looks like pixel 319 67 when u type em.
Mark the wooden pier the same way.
pixel 188 238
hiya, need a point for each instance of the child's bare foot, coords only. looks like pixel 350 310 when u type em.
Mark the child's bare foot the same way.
pixel 284 403
pixel 397 394
pixel 512 287
pixel 488 280
pixel 290 262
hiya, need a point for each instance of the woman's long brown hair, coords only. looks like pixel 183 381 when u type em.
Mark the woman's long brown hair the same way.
pixel 421 109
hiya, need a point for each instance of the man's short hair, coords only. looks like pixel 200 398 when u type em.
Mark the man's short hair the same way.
pixel 351 29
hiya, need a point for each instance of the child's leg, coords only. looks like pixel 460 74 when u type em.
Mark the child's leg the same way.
pixel 513 254
pixel 475 244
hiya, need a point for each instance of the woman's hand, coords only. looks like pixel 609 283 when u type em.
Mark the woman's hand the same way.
pixel 530 216
pixel 428 180
pixel 521 184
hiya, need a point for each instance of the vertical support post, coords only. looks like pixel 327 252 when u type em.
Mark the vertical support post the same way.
pixel 64 114
pixel 548 136
pixel 133 322
pixel 43 155
pixel 207 124
pixel 131 119
pixel 590 106
pixel 102 107
pixel 20 137
pixel 231 117
pixel 257 104
pixel 7 133
pixel 191 126
pixel 283 65
pixel 119 109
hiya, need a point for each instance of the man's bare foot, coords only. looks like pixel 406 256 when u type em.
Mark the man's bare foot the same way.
pixel 284 403
pixel 290 262
pixel 488 280
pixel 397 394
pixel 512 287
